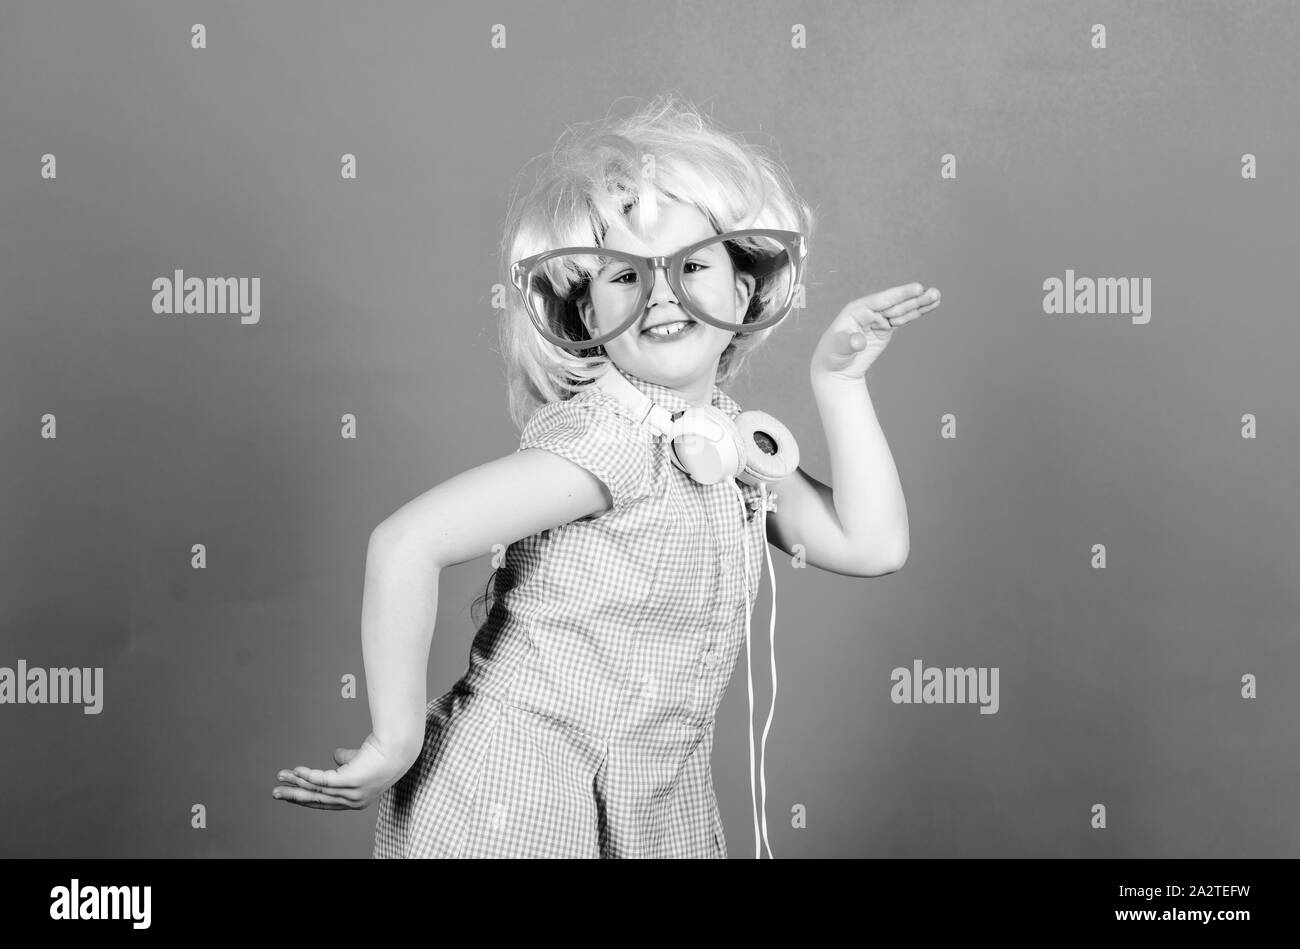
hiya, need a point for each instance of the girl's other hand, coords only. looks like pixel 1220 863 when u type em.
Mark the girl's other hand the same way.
pixel 362 776
pixel 864 327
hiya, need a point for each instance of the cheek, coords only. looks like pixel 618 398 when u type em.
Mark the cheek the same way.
pixel 620 348
pixel 718 339
pixel 717 301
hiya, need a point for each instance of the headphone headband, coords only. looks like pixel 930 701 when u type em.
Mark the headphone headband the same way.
pixel 706 442
pixel 644 409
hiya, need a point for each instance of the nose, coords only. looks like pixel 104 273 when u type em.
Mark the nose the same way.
pixel 661 291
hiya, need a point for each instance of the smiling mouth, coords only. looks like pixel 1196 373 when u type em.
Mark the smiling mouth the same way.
pixel 668 330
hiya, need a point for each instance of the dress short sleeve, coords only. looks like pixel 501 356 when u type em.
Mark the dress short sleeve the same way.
pixel 590 434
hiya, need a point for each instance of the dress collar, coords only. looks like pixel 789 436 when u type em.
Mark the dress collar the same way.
pixel 673 401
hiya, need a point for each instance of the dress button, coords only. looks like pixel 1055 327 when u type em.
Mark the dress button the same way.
pixel 648 682
pixel 710 659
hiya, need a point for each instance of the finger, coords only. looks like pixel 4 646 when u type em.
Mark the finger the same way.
pixel 311 799
pixel 864 319
pixel 334 783
pixel 906 318
pixel 911 314
pixel 342 794
pixel 344 755
pixel 324 779
pixel 298 783
pixel 288 777
pixel 929 298
pixel 893 296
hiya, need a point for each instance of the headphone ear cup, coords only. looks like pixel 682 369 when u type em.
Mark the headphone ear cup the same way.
pixel 769 451
pixel 707 445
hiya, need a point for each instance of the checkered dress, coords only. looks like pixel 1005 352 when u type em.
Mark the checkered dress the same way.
pixel 584 724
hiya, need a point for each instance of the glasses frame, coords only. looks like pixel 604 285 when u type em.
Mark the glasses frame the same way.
pixel 795 243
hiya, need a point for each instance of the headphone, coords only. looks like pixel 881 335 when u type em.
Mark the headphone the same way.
pixel 710 446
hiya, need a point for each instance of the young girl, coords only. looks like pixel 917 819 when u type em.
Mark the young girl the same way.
pixel 584 724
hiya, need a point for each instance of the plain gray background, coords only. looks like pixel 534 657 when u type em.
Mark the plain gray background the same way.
pixel 1118 686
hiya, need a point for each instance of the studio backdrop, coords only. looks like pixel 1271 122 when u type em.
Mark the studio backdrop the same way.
pixel 1096 433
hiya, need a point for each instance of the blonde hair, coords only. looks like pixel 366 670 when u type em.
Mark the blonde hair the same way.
pixel 593 177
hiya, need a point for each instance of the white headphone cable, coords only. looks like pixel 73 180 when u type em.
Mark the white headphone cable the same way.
pixel 758 853
pixel 762 766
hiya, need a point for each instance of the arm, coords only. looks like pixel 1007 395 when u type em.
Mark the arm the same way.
pixel 859 528
pixel 462 518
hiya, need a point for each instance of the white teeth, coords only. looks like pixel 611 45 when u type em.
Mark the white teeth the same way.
pixel 668 329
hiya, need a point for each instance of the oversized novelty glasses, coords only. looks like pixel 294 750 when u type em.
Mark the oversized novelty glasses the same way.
pixel 703 277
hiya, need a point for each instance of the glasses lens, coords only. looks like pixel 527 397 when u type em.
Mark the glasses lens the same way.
pixel 557 285
pixel 709 278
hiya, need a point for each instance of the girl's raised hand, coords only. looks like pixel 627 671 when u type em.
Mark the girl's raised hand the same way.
pixel 864 327
pixel 362 776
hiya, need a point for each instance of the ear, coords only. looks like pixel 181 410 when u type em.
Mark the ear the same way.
pixel 745 284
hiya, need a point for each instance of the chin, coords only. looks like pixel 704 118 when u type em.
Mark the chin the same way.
pixel 680 358
pixel 669 365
